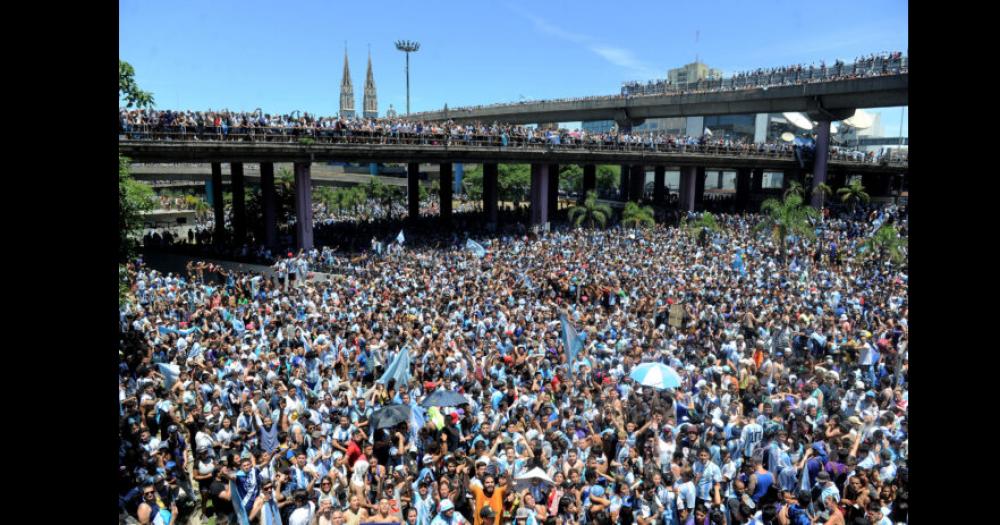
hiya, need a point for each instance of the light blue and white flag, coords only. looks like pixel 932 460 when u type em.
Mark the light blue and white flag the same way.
pixel 238 496
pixel 398 369
pixel 400 238
pixel 476 248
pixel 170 373
pixel 571 340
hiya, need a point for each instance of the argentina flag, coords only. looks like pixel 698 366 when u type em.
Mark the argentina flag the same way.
pixel 476 248
pixel 400 238
pixel 571 339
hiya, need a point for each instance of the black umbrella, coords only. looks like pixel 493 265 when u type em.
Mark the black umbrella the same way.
pixel 390 416
pixel 444 398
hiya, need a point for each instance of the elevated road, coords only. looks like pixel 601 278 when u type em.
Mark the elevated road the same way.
pixel 834 97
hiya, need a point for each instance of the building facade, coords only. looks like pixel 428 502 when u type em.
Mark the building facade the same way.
pixel 693 72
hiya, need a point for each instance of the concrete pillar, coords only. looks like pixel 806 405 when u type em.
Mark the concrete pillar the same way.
pixel 757 180
pixel 637 182
pixel 239 202
pixel 218 204
pixel 819 167
pixel 539 194
pixel 553 190
pixel 490 174
pixel 687 187
pixel 659 180
pixel 267 195
pixel 446 183
pixel 699 191
pixel 303 206
pixel 742 188
pixel 623 183
pixel 838 179
pixel 719 180
pixel 459 173
pixel 413 190
pixel 589 180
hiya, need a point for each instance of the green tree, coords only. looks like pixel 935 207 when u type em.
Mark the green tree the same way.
pixel 852 194
pixel 128 90
pixel 637 216
pixel 608 177
pixel 513 182
pixel 787 217
pixel 472 183
pixel 590 211
pixel 699 227
pixel 134 197
pixel 570 178
pixel 795 188
pixel 886 243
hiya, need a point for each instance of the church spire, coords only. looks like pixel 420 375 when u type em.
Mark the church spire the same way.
pixel 370 103
pixel 346 91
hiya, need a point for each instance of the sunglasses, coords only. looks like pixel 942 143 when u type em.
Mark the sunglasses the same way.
pixel 149 493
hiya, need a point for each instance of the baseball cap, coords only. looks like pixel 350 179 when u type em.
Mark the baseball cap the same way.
pixel 446 505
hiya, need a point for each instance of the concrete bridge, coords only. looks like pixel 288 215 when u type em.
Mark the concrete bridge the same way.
pixel 825 100
pixel 543 158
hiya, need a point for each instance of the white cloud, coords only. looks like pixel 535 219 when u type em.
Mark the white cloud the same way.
pixel 615 55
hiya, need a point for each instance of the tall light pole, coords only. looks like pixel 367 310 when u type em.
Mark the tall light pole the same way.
pixel 407 47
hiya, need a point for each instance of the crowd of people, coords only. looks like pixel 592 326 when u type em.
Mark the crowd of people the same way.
pixel 148 124
pixel 303 399
pixel 876 64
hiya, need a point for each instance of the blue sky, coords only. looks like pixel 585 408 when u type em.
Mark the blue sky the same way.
pixel 283 56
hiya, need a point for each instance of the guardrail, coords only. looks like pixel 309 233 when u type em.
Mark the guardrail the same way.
pixel 306 136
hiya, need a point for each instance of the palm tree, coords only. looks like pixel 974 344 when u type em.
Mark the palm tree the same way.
pixel 787 217
pixel 702 225
pixel 795 188
pixel 820 193
pixel 886 243
pixel 591 211
pixel 852 194
pixel 636 216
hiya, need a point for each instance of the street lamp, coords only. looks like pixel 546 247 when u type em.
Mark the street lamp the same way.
pixel 407 47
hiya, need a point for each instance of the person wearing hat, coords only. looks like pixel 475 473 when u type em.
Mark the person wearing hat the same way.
pixel 447 515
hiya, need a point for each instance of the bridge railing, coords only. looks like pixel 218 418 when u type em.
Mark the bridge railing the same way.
pixel 307 136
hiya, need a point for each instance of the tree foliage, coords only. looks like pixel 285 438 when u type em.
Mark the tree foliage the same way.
pixel 699 227
pixel 637 216
pixel 853 193
pixel 886 243
pixel 134 197
pixel 787 217
pixel 128 90
pixel 590 211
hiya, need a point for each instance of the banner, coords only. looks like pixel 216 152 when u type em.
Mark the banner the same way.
pixel 571 340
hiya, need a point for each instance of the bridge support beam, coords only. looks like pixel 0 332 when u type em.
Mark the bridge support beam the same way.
pixel 447 182
pixel 218 204
pixel 303 206
pixel 267 195
pixel 659 180
pixel 819 166
pixel 623 185
pixel 589 180
pixel 742 188
pixel 757 180
pixel 490 175
pixel 553 191
pixel 637 182
pixel 539 195
pixel 413 190
pixel 687 187
pixel 239 202
pixel 699 189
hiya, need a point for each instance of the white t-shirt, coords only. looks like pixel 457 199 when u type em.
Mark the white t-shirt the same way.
pixel 302 515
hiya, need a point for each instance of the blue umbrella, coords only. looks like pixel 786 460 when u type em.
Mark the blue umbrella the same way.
pixel 444 398
pixel 656 375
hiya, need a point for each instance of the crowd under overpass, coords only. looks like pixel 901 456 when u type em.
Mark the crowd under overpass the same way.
pixel 544 160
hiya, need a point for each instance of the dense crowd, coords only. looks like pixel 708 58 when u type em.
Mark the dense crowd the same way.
pixel 304 399
pixel 151 124
pixel 876 64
